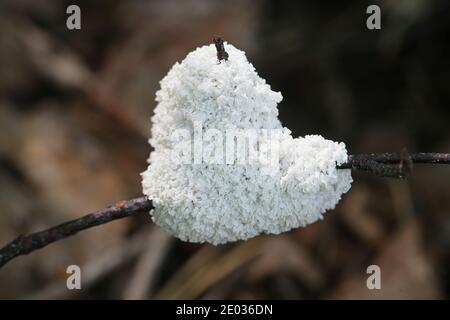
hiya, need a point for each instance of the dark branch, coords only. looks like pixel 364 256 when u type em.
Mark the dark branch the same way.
pixel 395 158
pixel 29 243
pixel 381 164
pixel 394 165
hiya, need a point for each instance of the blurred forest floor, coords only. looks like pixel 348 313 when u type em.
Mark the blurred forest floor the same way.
pixel 75 111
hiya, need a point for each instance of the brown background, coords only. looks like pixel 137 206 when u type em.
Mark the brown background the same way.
pixel 75 111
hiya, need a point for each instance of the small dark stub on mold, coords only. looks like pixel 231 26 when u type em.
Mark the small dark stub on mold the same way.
pixel 221 53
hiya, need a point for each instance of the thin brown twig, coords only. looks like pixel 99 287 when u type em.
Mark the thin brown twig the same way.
pixel 395 158
pixel 381 164
pixel 394 165
pixel 25 244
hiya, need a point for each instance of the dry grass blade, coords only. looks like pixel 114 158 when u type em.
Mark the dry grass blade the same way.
pixel 213 271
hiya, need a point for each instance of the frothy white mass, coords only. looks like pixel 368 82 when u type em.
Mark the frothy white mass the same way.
pixel 219 203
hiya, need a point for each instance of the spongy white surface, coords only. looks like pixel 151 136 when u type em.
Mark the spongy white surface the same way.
pixel 219 203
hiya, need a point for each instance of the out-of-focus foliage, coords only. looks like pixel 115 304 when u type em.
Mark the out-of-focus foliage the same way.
pixel 74 122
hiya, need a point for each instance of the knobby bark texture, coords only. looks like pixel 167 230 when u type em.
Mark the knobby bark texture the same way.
pixel 396 165
pixel 393 165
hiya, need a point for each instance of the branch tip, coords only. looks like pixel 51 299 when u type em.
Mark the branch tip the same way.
pixel 220 47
